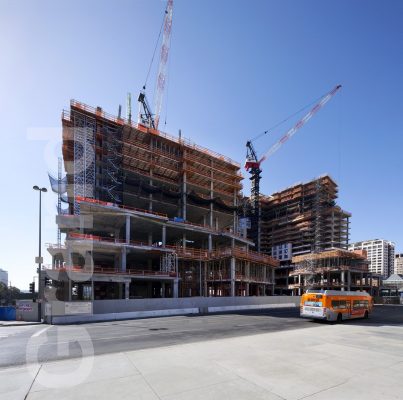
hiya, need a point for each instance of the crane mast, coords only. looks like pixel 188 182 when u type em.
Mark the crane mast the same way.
pixel 253 163
pixel 161 77
pixel 146 116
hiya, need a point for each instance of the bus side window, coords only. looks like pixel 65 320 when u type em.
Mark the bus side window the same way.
pixel 335 304
pixel 343 304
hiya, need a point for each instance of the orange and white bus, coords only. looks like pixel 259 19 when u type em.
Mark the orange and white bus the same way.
pixel 335 305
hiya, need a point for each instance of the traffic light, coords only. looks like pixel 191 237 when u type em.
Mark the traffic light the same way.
pixel 32 287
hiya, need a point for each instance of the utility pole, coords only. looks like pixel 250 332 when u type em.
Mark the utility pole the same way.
pixel 39 259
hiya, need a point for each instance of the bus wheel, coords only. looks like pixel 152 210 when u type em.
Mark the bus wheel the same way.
pixel 339 318
pixel 366 315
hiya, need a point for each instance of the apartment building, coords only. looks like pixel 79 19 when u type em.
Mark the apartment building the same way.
pixel 380 253
pixel 398 267
pixel 302 219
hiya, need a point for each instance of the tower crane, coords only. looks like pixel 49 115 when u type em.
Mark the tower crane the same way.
pixel 253 162
pixel 146 116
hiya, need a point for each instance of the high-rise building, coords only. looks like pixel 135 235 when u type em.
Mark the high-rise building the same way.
pixel 380 253
pixel 149 215
pixel 299 220
pixel 4 276
pixel 398 268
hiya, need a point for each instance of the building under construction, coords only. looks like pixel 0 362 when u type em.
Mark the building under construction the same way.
pixel 149 215
pixel 333 269
pixel 301 219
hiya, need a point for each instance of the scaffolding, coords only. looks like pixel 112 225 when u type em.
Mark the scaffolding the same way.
pixel 84 156
pixel 305 215
pixel 333 269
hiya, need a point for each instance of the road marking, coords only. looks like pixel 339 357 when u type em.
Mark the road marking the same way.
pixel 36 334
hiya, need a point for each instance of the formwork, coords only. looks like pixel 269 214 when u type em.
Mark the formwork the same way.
pixel 305 215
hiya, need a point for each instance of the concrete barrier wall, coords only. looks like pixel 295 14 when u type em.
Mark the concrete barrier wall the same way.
pixel 110 306
pixel 107 310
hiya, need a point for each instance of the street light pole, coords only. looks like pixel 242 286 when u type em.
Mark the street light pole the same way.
pixel 39 260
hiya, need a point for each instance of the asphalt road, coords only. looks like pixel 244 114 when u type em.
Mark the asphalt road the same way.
pixel 40 343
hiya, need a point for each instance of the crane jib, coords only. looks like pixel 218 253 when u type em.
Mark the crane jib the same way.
pixel 300 123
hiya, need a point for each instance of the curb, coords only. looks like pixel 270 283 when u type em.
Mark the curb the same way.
pixel 25 324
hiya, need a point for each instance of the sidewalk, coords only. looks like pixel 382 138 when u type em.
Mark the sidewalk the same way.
pixel 326 362
pixel 18 323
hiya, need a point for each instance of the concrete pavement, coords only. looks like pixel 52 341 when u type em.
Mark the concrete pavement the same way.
pixel 348 361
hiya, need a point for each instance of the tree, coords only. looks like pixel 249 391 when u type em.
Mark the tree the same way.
pixel 8 295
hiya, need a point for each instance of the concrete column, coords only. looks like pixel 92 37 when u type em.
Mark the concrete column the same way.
pixel 82 223
pixel 127 228
pixel 232 276
pixel 247 289
pixel 116 261
pixel 150 196
pixel 210 242
pixel 211 219
pixel 69 286
pixel 299 284
pixel 361 279
pixel 176 288
pixel 164 235
pixel 69 258
pixel 348 280
pixel 150 239
pixel 205 279
pixel 342 278
pixel 273 280
pixel 123 258
pixel 162 289
pixel 92 289
pixel 127 290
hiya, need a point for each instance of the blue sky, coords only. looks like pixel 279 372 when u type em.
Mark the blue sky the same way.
pixel 236 68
